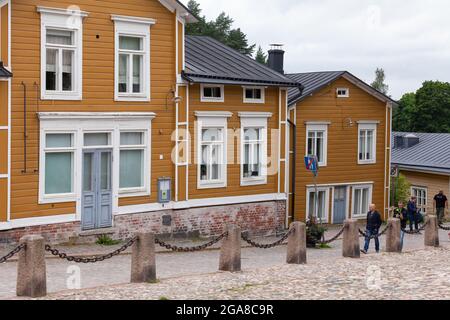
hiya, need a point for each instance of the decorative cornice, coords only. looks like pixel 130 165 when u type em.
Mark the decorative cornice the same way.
pixel 255 114
pixel 95 115
pixel 128 19
pixel 214 114
pixel 65 12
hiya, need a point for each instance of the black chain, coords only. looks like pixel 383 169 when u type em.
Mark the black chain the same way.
pixel 95 259
pixel 441 226
pixel 12 253
pixel 190 249
pixel 334 238
pixel 362 233
pixel 270 245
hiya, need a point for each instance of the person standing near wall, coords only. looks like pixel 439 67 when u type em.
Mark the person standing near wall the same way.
pixel 412 214
pixel 401 213
pixel 440 203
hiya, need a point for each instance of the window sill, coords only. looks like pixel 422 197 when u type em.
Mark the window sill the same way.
pixel 62 96
pixel 253 182
pixel 134 193
pixel 211 185
pixel 58 199
pixel 254 101
pixel 212 100
pixel 133 98
pixel 366 162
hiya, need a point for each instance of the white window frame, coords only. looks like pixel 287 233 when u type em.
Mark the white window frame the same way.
pixel 363 214
pixel 258 120
pixel 212 99
pixel 263 95
pixel 133 27
pixel 212 119
pixel 327 202
pixel 346 95
pixel 363 127
pixel 66 20
pixel 313 127
pixel 61 197
pixel 423 207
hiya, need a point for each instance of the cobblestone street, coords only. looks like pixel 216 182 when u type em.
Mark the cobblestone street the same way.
pixel 264 276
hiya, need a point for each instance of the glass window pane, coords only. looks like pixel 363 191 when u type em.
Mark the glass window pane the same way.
pixel 321 205
pixel 369 145
pixel 130 43
pixel 96 139
pixel 357 202
pixel 87 172
pixel 59 140
pixel 311 210
pixel 212 134
pixel 252 134
pixel 249 94
pixel 68 57
pixel 105 171
pixel 365 201
pixel 217 92
pixel 61 37
pixel 131 169
pixel 123 72
pixel 137 73
pixel 58 173
pixel 51 69
pixel 131 138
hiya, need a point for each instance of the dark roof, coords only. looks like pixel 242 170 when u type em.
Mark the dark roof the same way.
pixel 4 73
pixel 210 61
pixel 314 81
pixel 432 153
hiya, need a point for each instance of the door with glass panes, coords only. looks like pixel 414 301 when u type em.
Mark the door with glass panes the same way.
pixel 97 189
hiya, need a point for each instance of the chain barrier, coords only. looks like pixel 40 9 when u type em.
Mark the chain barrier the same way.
pixel 416 231
pixel 363 234
pixel 12 253
pixel 190 249
pixel 95 259
pixel 269 245
pixel 334 238
pixel 441 226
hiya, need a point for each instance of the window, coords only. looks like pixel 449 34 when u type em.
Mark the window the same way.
pixel 254 95
pixel 132 79
pixel 211 149
pixel 367 144
pixel 132 161
pixel 318 206
pixel 59 165
pixel 421 194
pixel 362 197
pixel 316 144
pixel 253 147
pixel 343 92
pixel 61 54
pixel 212 93
pixel 97 139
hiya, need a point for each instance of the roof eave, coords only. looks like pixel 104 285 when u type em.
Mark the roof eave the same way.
pixel 182 10
pixel 4 72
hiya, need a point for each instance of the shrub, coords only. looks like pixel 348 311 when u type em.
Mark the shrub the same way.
pixel 106 240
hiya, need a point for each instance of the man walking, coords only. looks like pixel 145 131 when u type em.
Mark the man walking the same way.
pixel 412 214
pixel 439 205
pixel 373 226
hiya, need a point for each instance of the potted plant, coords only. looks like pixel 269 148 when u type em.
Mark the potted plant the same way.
pixel 314 232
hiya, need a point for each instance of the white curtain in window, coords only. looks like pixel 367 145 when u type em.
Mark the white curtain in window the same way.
pixel 58 173
pixel 131 169
pixel 59 37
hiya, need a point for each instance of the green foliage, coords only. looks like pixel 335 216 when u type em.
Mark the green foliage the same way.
pixel 314 232
pixel 379 84
pixel 106 240
pixel 261 57
pixel 427 110
pixel 401 189
pixel 219 29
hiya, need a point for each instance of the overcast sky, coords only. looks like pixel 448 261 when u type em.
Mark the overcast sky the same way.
pixel 410 39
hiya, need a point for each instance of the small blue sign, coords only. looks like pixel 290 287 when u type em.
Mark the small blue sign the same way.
pixel 312 164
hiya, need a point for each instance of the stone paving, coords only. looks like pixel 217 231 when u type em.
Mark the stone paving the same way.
pixel 194 276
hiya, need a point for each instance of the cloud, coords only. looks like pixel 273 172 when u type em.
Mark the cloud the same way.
pixel 410 39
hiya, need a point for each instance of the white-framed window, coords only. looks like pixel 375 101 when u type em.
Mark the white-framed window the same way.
pixel 212 149
pixel 361 200
pixel 61 54
pixel 132 58
pixel 317 142
pixel 421 194
pixel 343 92
pixel 367 143
pixel 133 161
pixel 212 93
pixel 254 94
pixel 318 206
pixel 253 137
pixel 58 158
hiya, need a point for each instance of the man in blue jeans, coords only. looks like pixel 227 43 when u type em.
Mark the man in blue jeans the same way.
pixel 373 226
pixel 412 214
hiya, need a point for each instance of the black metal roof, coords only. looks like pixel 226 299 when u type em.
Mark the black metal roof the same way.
pixel 431 154
pixel 210 61
pixel 314 81
pixel 4 73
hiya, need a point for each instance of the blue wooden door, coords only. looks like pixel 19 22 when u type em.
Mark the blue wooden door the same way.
pixel 97 190
pixel 340 205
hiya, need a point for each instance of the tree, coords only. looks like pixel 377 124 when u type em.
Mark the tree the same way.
pixel 261 57
pixel 219 29
pixel 401 189
pixel 379 84
pixel 402 116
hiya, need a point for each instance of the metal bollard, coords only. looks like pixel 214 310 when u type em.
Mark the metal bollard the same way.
pixel 230 253
pixel 393 240
pixel 431 231
pixel 143 262
pixel 350 246
pixel 296 249
pixel 31 269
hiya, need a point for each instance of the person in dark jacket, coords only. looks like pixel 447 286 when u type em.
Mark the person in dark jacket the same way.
pixel 401 213
pixel 372 228
pixel 412 214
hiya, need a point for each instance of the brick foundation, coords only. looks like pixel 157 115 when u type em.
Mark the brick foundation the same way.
pixel 259 219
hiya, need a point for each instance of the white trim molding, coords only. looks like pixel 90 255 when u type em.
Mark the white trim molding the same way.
pixel 213 114
pixel 346 93
pixel 95 115
pixel 261 100
pixel 369 200
pixel 255 114
pixel 212 99
pixel 38 221
pixel 367 126
pixel 128 19
pixel 327 202
pixel 316 127
pixel 64 12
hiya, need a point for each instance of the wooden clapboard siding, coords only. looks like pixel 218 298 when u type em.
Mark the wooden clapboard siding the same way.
pixel 4 18
pixel 98 89
pixel 233 103
pixel 3 103
pixel 342 164
pixel 3 199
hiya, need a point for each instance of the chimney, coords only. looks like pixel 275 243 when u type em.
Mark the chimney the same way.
pixel 276 58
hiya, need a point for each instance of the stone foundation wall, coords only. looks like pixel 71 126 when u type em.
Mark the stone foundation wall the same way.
pixel 259 219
